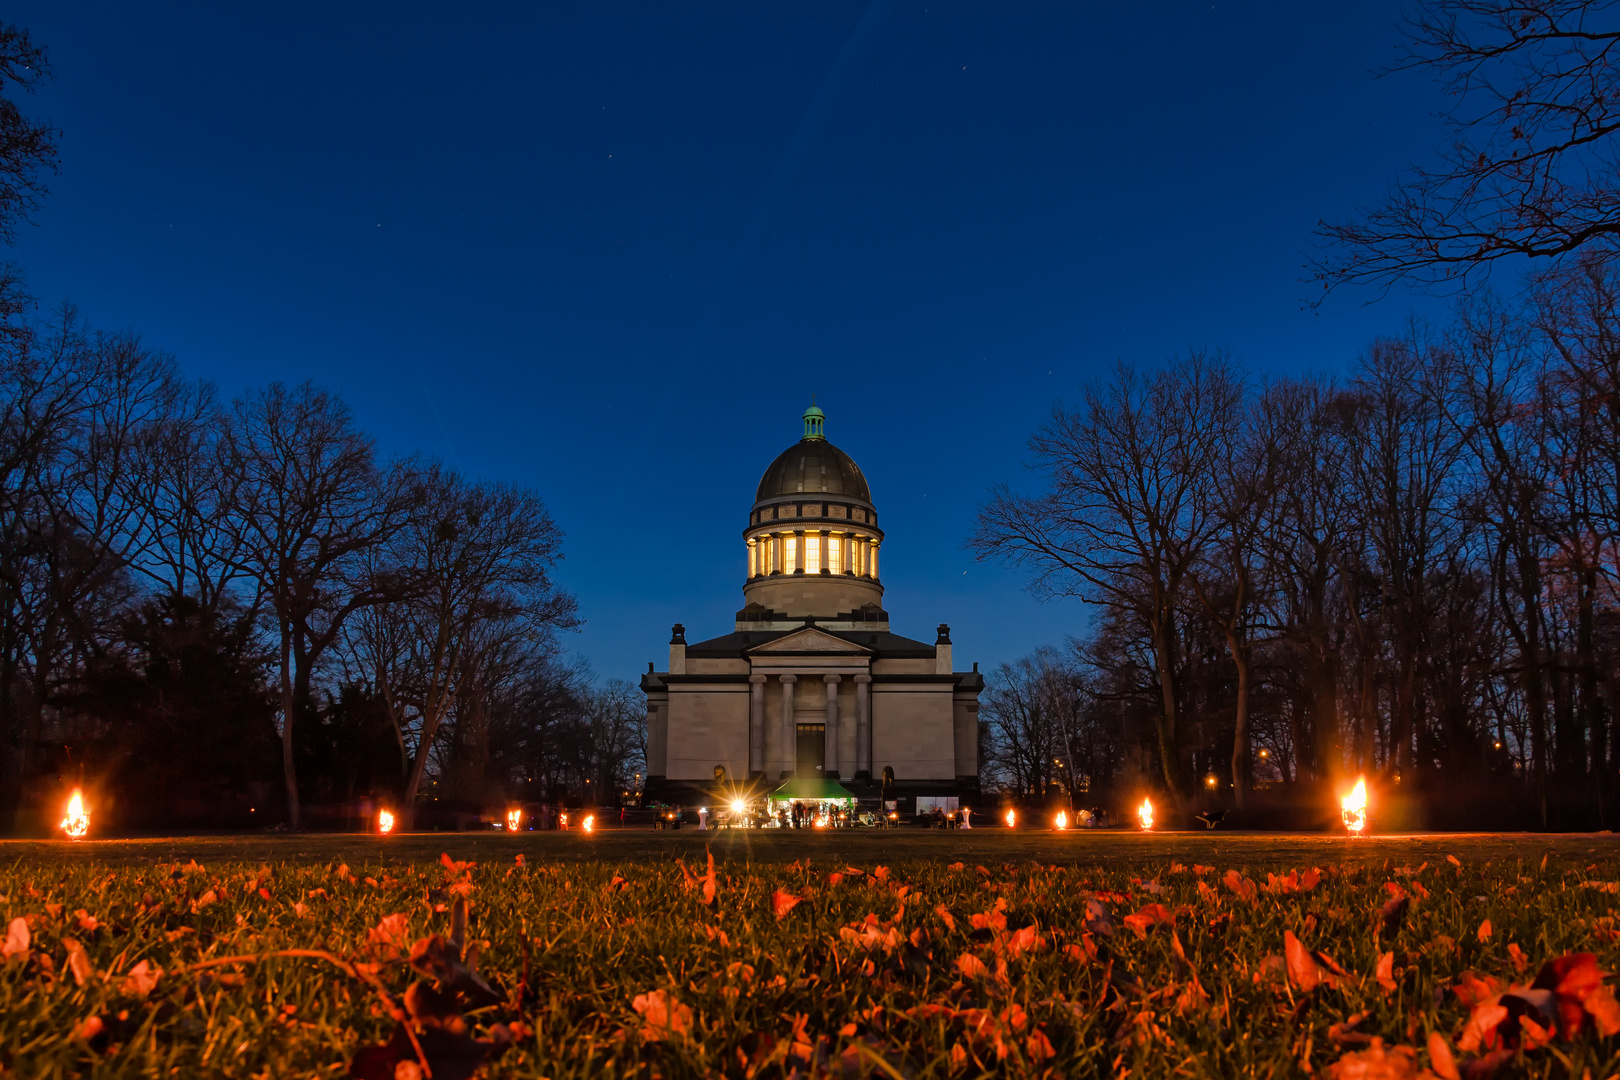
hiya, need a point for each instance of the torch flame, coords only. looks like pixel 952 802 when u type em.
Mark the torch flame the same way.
pixel 385 822
pixel 1145 812
pixel 1353 807
pixel 590 822
pixel 76 823
pixel 514 818
pixel 1062 819
pixel 1012 818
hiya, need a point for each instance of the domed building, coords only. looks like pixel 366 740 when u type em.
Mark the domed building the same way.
pixel 811 683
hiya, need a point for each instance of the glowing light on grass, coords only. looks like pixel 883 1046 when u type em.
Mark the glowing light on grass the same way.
pixel 514 818
pixel 76 820
pixel 1062 819
pixel 385 822
pixel 589 822
pixel 1012 818
pixel 1353 808
pixel 1145 814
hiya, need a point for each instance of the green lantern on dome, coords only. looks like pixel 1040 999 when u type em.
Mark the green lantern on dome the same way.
pixel 814 422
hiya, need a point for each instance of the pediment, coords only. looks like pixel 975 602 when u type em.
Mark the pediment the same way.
pixel 809 640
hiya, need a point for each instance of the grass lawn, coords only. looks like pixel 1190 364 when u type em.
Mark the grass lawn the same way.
pixel 909 954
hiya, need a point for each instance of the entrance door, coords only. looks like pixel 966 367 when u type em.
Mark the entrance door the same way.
pixel 812 750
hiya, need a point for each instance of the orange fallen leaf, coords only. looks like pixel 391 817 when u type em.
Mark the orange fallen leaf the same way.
pixel 783 902
pixel 1147 918
pixel 1484 933
pixel 1385 973
pixel 141 979
pixel 1243 887
pixel 78 961
pixel 1377 1063
pixel 1441 1059
pixel 971 966
pixel 17 938
pixel 664 1016
pixel 1306 969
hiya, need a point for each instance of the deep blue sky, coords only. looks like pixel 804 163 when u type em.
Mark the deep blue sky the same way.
pixel 610 250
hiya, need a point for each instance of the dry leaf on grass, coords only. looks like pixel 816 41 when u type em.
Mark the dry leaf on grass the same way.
pixel 1306 969
pixel 17 938
pixel 663 1016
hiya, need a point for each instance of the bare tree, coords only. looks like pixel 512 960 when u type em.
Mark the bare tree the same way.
pixel 1031 706
pixel 180 486
pixel 1247 470
pixel 309 505
pixel 27 147
pixel 1532 168
pixel 76 402
pixel 1130 507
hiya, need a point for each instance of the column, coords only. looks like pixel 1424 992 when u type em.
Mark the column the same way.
pixel 756 725
pixel 874 570
pixel 790 732
pixel 863 726
pixel 830 732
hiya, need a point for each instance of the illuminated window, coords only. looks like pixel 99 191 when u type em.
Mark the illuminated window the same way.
pixel 835 553
pixel 790 554
pixel 812 554
pixel 768 563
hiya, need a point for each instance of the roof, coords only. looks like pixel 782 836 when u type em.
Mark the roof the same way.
pixel 811 789
pixel 813 466
pixel 880 642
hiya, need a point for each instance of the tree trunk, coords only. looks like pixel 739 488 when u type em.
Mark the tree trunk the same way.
pixel 289 770
pixel 1163 637
pixel 1241 757
pixel 1590 716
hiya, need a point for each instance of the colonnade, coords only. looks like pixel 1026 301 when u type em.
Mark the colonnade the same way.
pixel 831 766
pixel 812 551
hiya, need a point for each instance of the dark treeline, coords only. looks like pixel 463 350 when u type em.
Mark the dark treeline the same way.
pixel 1409 573
pixel 231 612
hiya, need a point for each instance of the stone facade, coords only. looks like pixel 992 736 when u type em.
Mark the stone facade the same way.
pixel 812 682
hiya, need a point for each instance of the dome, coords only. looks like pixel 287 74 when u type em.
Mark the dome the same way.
pixel 813 466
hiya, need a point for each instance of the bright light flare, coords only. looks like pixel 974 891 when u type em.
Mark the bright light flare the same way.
pixel 76 820
pixel 385 822
pixel 739 807
pixel 1062 820
pixel 1353 808
pixel 589 823
pixel 1012 818
pixel 514 818
pixel 1145 814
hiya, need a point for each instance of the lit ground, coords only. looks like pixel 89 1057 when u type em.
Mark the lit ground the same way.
pixel 1111 849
